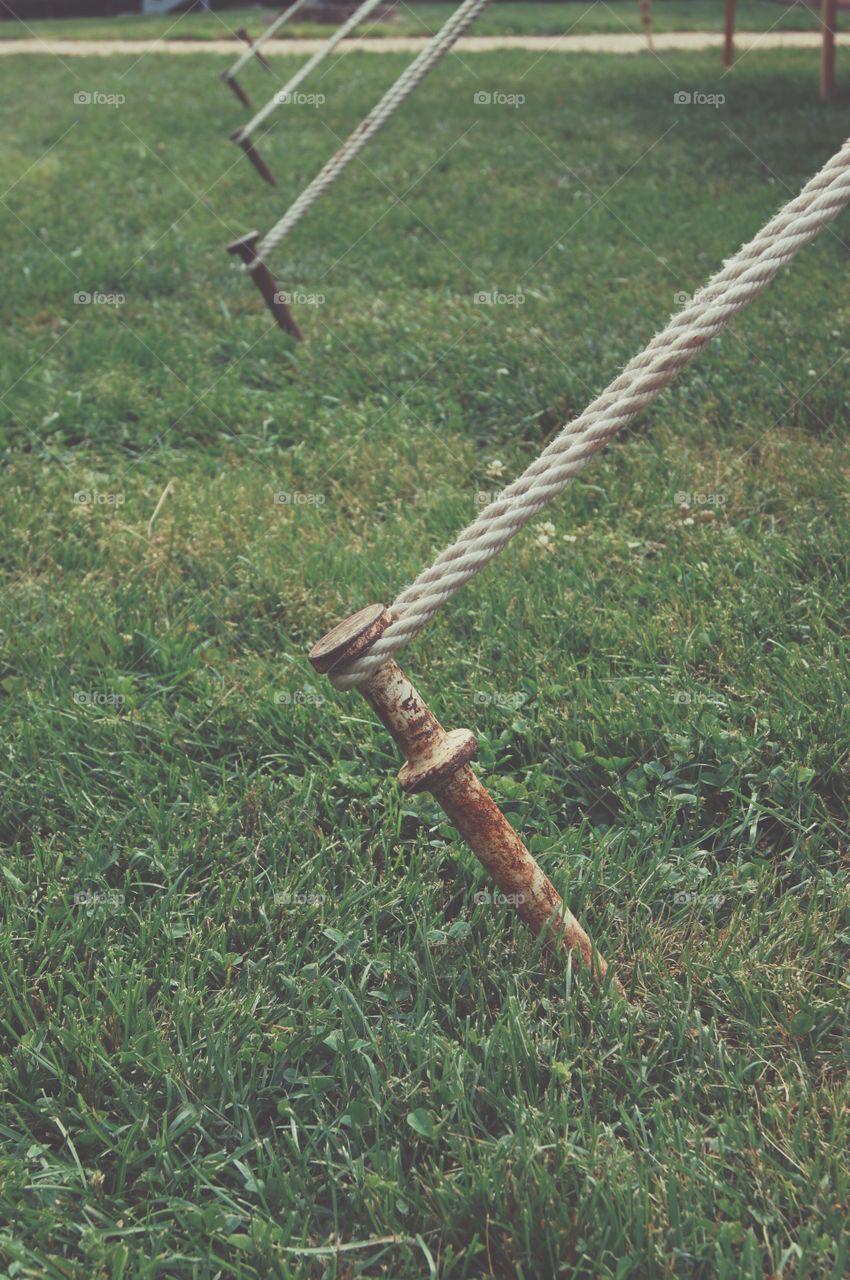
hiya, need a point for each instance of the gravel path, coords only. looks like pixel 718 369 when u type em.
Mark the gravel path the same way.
pixel 614 43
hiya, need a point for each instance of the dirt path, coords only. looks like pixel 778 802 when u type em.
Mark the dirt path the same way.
pixel 615 43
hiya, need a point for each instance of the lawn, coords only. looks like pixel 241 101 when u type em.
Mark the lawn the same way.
pixel 254 1020
pixel 577 18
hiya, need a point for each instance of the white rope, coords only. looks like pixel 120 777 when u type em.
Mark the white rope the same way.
pixel 740 280
pixel 436 48
pixel 245 58
pixel 319 56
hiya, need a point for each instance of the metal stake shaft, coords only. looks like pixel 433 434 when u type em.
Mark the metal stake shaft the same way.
pixel 245 36
pixel 438 762
pixel 246 248
pixel 236 87
pixel 728 33
pixel 254 156
pixel 827 61
pixel 646 19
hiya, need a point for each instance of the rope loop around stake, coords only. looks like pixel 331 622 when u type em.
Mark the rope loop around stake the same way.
pixel 737 283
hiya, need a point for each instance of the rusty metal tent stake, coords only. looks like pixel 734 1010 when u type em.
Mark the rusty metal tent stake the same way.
pixel 230 79
pixel 827 61
pixel 245 36
pixel 646 19
pixel 254 156
pixel 236 87
pixel 438 762
pixel 728 33
pixel 246 248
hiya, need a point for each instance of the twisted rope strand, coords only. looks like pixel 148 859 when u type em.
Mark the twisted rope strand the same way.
pixel 737 283
pixel 436 48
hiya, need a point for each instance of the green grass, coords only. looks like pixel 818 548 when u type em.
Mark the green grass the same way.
pixel 577 17
pixel 249 1006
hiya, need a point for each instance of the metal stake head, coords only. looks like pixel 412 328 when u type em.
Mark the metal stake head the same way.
pixel 350 638
pixel 245 246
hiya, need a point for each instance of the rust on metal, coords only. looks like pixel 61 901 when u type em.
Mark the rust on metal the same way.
pixel 237 88
pixel 438 762
pixel 827 58
pixel 728 33
pixel 254 156
pixel 246 249
pixel 436 765
pixel 646 19
pixel 244 35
